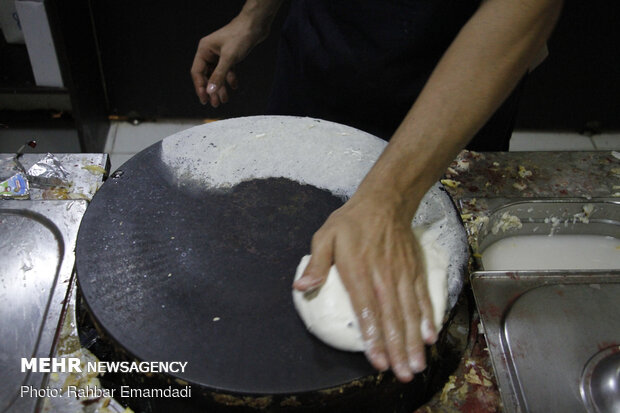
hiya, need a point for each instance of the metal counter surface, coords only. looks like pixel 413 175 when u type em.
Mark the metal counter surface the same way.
pixel 480 182
pixel 38 266
pixel 39 276
pixel 85 174
pixel 476 181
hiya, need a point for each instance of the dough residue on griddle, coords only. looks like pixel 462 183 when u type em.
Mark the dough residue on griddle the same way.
pixel 221 154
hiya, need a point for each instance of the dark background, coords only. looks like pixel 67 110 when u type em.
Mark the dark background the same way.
pixel 146 48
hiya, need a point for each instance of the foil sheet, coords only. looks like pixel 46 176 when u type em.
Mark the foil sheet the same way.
pixel 48 172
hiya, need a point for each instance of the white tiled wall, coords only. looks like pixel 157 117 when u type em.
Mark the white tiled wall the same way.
pixel 549 141
pixel 607 141
pixel 126 139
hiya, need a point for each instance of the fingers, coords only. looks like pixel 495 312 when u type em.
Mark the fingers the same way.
pixel 385 301
pixel 406 319
pixel 231 78
pixel 394 329
pixel 198 77
pixel 427 325
pixel 382 268
pixel 216 88
pixel 210 72
pixel 222 94
pixel 321 260
pixel 412 317
pixel 364 303
pixel 390 309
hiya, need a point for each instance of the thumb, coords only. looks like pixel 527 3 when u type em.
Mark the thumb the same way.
pixel 316 271
pixel 217 78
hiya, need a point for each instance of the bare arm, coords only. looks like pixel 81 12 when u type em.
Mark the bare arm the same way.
pixel 218 52
pixel 479 70
pixel 369 238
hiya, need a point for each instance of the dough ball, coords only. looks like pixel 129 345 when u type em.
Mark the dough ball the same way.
pixel 328 312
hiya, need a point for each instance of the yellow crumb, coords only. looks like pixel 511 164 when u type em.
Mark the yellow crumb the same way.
pixel 94 169
pixel 451 183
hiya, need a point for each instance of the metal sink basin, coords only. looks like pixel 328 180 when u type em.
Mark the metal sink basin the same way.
pixel 561 234
pixel 37 250
pixel 543 329
pixel 553 335
pixel 600 381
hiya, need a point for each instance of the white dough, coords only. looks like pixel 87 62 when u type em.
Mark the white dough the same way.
pixel 328 312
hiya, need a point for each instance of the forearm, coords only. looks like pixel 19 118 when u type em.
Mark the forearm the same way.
pixel 259 15
pixel 478 71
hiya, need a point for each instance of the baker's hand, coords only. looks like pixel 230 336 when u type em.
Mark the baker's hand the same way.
pixel 380 262
pixel 216 57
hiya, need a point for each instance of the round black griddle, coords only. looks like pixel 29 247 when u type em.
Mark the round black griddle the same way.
pixel 204 276
pixel 189 251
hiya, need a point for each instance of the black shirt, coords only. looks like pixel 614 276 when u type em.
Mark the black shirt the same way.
pixel 363 63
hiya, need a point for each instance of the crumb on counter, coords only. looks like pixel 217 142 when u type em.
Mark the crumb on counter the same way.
pixel 94 169
pixel 451 183
pixel 519 185
pixel 524 173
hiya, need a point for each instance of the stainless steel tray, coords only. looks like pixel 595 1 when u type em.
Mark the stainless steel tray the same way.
pixel 542 329
pixel 551 216
pixel 37 247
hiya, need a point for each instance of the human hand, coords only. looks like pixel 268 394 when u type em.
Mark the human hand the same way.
pixel 380 263
pixel 216 56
